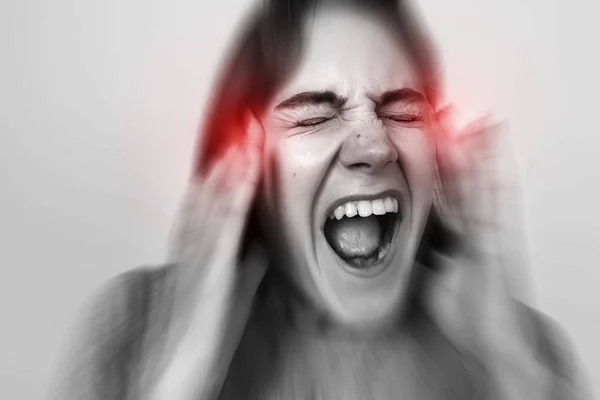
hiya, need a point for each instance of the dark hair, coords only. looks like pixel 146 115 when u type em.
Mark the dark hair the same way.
pixel 266 53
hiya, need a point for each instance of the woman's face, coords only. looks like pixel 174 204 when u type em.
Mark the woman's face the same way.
pixel 347 137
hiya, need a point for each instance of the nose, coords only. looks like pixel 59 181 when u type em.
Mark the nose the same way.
pixel 367 150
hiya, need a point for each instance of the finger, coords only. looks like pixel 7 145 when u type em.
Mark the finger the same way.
pixel 477 177
pixel 255 135
pixel 255 151
pixel 447 117
pixel 202 193
pixel 199 206
pixel 475 127
pixel 508 215
pixel 484 174
pixel 467 172
pixel 243 197
pixel 450 166
pixel 252 169
pixel 244 166
pixel 245 176
pixel 219 170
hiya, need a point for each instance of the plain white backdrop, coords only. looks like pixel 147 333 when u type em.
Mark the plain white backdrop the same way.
pixel 99 106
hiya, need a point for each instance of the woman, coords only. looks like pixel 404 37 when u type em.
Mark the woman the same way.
pixel 335 241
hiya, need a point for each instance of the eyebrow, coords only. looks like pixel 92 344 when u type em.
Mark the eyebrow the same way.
pixel 313 98
pixel 404 95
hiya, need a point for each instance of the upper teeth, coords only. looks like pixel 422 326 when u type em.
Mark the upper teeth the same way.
pixel 365 208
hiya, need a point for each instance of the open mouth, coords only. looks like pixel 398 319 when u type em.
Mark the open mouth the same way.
pixel 360 232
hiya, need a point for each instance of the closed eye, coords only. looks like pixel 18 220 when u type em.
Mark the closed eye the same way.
pixel 404 118
pixel 313 121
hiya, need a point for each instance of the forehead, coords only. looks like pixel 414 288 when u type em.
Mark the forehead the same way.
pixel 351 53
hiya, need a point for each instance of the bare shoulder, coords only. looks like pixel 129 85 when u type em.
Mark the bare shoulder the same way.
pixel 555 351
pixel 122 303
pixel 107 341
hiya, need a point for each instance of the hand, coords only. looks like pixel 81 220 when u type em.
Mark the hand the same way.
pixel 471 295
pixel 213 290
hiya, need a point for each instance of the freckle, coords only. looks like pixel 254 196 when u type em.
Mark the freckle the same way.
pixel 358 135
pixel 294 174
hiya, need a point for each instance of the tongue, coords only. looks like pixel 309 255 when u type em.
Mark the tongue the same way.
pixel 354 237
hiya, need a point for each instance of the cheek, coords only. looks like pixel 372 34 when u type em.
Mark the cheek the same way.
pixel 416 152
pixel 298 163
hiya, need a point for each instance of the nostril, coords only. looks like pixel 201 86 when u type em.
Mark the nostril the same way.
pixel 360 166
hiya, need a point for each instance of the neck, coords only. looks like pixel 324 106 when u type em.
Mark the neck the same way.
pixel 291 310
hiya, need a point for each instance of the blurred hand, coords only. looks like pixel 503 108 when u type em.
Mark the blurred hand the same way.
pixel 472 294
pixel 213 288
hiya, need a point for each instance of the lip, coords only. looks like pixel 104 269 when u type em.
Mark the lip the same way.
pixel 385 262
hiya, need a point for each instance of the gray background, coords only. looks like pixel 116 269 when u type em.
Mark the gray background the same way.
pixel 99 104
